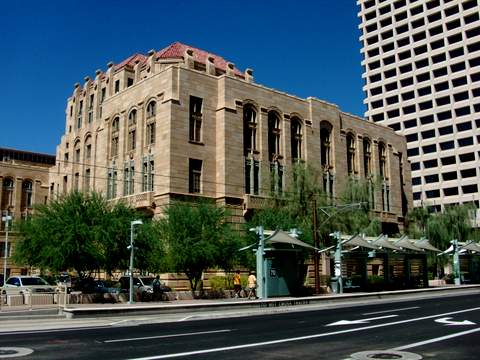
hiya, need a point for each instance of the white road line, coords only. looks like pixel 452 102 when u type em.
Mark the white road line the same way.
pixel 392 311
pixel 186 318
pixel 167 336
pixel 446 337
pixel 300 338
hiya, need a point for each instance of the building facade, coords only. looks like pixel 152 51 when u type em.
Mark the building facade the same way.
pixel 24 182
pixel 181 122
pixel 421 63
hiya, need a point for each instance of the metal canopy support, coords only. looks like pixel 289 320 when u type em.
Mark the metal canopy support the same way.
pixel 456 261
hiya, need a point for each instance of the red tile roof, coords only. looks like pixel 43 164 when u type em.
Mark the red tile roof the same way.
pixel 130 61
pixel 176 51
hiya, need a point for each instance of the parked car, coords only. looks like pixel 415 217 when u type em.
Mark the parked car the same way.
pixel 142 286
pixel 91 286
pixel 27 284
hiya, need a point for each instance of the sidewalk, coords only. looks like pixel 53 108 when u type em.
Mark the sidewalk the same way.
pixel 82 310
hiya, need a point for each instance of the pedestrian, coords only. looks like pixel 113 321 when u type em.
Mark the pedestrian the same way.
pixel 237 283
pixel 252 285
pixel 156 288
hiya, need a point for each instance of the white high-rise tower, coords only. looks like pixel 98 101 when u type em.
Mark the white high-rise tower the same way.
pixel 421 61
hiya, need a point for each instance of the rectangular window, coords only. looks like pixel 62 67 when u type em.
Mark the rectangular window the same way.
pixel 129 178
pixel 434 17
pixel 459 81
pixel 447 145
pixel 194 176
pixel 117 86
pixel 76 181
pixel 88 151
pixel 129 82
pixel 445 130
pixel 150 134
pixel 115 145
pixel 195 119
pixel 427 149
pixel 427 119
pixel 132 137
pixel 452 175
pixel 112 183
pixel 428 134
pixel 87 179
pixel 103 95
pixel 148 173
pixel 388 47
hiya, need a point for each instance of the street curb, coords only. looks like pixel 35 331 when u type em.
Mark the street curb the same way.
pixel 141 309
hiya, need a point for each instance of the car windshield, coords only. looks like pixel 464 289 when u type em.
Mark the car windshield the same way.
pixel 147 280
pixel 33 281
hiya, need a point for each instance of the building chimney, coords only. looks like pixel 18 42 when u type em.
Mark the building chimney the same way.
pixel 230 69
pixel 210 65
pixel 151 60
pixel 109 76
pixel 136 69
pixel 189 60
pixel 249 75
pixel 86 83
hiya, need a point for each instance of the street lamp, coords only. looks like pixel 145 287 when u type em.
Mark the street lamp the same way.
pixel 132 225
pixel 7 218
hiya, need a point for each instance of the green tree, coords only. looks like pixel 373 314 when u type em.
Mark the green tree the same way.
pixel 440 229
pixel 197 236
pixel 80 231
pixel 353 211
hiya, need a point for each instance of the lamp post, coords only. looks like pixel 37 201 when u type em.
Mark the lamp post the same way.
pixel 131 247
pixel 7 218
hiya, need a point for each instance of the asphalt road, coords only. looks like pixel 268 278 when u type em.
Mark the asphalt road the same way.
pixel 446 327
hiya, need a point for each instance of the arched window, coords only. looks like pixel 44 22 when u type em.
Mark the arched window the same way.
pixel 7 193
pixel 382 160
pixel 114 136
pixel 76 151
pixel 350 154
pixel 151 109
pixel 116 124
pixel 27 188
pixel 273 135
pixel 325 145
pixel 367 157
pixel 296 138
pixel 249 129
pixel 132 117
pixel 88 148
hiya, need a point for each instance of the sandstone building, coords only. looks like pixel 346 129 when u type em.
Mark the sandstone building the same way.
pixel 23 183
pixel 421 63
pixel 182 122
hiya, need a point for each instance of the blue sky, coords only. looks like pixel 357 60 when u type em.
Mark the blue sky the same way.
pixel 305 48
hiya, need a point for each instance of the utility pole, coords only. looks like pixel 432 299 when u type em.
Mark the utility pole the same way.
pixel 261 293
pixel 6 219
pixel 316 260
pixel 338 262
pixel 131 248
pixel 338 209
